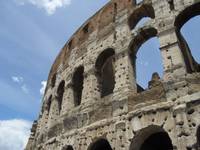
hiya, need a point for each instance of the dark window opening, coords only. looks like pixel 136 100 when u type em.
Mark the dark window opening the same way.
pixel 78 85
pixel 60 93
pixel 198 137
pixel 86 28
pixel 49 104
pixel 53 81
pixel 171 4
pixel 70 44
pixel 101 144
pixel 68 147
pixel 157 141
pixel 105 72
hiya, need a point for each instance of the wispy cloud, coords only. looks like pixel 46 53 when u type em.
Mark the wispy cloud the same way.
pixel 49 5
pixel 25 89
pixel 14 134
pixel 20 80
pixel 42 89
pixel 17 79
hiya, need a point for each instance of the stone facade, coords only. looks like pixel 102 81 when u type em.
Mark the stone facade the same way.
pixel 92 100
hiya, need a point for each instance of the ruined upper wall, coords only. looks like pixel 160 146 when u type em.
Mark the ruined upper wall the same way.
pixel 89 31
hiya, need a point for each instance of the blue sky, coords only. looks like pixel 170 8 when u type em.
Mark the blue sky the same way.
pixel 32 32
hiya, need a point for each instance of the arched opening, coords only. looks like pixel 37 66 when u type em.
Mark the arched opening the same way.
pixel 157 141
pixel 60 93
pixel 105 72
pixel 146 58
pixel 67 147
pixel 101 144
pixel 138 1
pixel 141 13
pixel 53 81
pixel 49 104
pixel 198 137
pixel 187 28
pixel 151 138
pixel 142 22
pixel 77 81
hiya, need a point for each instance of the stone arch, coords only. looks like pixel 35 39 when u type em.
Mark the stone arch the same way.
pixel 67 147
pixel 105 72
pixel 100 144
pixel 182 18
pixel 77 84
pixel 142 37
pixel 60 94
pixel 151 138
pixel 145 10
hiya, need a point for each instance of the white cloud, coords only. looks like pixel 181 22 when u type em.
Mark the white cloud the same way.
pixel 49 5
pixel 25 89
pixel 20 81
pixel 42 89
pixel 14 134
pixel 17 79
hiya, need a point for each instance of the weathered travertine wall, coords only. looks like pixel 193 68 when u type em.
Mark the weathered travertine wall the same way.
pixel 92 100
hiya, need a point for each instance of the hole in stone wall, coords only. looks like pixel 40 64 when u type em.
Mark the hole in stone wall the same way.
pixel 68 147
pixel 138 1
pixel 142 22
pixel 191 32
pixel 141 15
pixel 151 138
pixel 171 4
pixel 198 137
pixel 49 104
pixel 78 85
pixel 105 72
pixel 157 141
pixel 53 80
pixel 148 61
pixel 101 144
pixel 60 93
pixel 86 28
pixel 187 28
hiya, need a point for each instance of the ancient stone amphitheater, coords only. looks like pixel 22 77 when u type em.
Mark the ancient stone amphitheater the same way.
pixel 92 100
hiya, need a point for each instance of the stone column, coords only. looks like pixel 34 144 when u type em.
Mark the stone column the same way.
pixel 68 98
pixel 173 60
pixel 54 112
pixel 124 75
pixel 91 91
pixel 44 118
pixel 182 128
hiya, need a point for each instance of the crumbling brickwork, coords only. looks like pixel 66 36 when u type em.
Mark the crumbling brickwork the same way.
pixel 92 100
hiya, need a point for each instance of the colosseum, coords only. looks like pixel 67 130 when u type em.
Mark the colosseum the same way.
pixel 92 99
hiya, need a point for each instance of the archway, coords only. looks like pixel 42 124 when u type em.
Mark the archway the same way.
pixel 144 11
pixel 77 82
pixel 67 147
pixel 187 29
pixel 60 93
pixel 105 72
pixel 101 144
pixel 151 138
pixel 146 58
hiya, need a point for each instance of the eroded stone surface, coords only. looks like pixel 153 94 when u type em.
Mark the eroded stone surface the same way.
pixel 98 113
